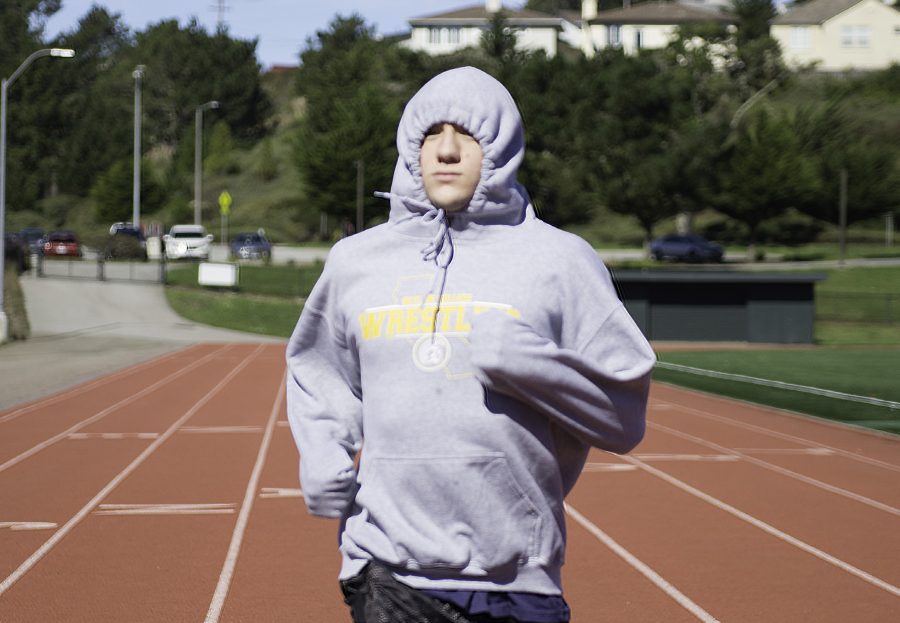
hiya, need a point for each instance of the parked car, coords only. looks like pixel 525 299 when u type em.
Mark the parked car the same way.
pixel 251 246
pixel 686 248
pixel 126 242
pixel 33 237
pixel 62 243
pixel 187 241
pixel 15 250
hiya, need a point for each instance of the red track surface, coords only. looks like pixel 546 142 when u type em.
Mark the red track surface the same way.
pixel 168 492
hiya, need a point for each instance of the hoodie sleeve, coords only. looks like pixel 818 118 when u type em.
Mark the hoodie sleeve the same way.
pixel 594 383
pixel 323 403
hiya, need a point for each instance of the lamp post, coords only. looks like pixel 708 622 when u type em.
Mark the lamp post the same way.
pixel 4 87
pixel 198 156
pixel 138 74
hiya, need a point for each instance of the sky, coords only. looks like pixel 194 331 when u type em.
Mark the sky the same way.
pixel 281 26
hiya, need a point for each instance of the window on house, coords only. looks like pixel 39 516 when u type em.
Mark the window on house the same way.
pixel 801 38
pixel 615 36
pixel 854 36
pixel 638 39
pixel 453 35
pixel 434 35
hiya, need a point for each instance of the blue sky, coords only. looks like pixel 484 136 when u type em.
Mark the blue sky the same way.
pixel 282 26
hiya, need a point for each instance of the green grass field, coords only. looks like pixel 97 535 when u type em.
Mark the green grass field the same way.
pixel 861 372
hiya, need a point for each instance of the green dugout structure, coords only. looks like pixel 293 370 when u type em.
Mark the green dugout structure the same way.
pixel 723 306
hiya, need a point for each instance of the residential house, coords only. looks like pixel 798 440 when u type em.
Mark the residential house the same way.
pixel 649 25
pixel 454 30
pixel 839 35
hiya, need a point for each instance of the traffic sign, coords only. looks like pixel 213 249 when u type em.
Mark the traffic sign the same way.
pixel 225 203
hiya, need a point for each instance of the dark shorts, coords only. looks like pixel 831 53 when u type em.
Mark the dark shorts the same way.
pixel 375 596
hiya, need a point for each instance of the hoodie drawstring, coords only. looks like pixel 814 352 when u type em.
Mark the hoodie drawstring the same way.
pixel 439 250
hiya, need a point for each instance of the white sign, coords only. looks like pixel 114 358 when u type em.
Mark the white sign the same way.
pixel 212 274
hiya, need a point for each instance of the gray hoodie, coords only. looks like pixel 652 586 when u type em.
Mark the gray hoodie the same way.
pixel 473 382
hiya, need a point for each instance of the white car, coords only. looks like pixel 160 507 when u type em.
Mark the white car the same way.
pixel 187 241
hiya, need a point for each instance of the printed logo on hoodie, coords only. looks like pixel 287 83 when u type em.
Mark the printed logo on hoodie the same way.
pixel 417 315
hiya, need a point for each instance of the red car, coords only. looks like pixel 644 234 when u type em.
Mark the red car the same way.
pixel 62 244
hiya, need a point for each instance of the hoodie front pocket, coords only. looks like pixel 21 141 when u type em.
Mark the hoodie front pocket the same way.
pixel 462 513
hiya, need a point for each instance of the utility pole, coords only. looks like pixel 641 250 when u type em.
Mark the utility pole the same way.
pixel 198 158
pixel 842 216
pixel 360 178
pixel 138 75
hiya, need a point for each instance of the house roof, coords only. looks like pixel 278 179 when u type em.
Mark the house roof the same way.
pixel 479 15
pixel 815 12
pixel 661 13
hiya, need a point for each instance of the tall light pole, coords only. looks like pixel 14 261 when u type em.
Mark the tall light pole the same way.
pixel 138 74
pixel 4 87
pixel 198 156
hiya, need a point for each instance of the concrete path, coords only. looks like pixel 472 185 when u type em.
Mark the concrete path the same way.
pixel 84 329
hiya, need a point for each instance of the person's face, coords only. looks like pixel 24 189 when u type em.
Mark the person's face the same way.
pixel 451 166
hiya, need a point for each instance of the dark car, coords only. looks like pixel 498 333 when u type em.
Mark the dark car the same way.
pixel 15 250
pixel 33 237
pixel 686 248
pixel 251 246
pixel 63 243
pixel 126 242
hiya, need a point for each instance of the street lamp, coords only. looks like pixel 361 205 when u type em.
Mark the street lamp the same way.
pixel 4 86
pixel 198 157
pixel 138 74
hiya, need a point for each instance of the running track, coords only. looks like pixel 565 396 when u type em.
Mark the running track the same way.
pixel 167 492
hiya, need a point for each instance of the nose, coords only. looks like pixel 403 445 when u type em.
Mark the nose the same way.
pixel 448 145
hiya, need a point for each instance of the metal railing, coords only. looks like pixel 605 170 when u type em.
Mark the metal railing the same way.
pixel 100 269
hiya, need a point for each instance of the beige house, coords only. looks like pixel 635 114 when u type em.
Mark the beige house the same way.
pixel 649 25
pixel 839 35
pixel 443 33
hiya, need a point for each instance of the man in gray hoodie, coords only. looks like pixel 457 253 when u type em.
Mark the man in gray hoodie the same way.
pixel 471 385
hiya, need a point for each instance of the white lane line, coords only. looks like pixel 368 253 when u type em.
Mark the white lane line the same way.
pixel 680 598
pixel 778 469
pixel 765 527
pixel 165 509
pixel 237 537
pixel 32 560
pixel 714 458
pixel 114 436
pixel 786 436
pixel 608 467
pixel 278 492
pixel 27 525
pixel 67 394
pixel 221 429
pixel 788 451
pixel 283 423
pixel 66 433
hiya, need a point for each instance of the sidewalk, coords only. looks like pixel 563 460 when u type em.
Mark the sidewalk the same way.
pixel 84 329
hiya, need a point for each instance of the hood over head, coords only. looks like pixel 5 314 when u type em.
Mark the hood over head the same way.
pixel 474 100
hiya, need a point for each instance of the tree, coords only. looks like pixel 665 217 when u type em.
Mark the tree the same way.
pixel 113 193
pixel 351 117
pixel 186 67
pixel 839 144
pixel 498 41
pixel 763 170
pixel 21 30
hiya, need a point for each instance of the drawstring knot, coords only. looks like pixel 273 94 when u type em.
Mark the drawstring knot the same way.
pixel 439 250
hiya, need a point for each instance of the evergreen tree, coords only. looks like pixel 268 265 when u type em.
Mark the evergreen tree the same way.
pixel 351 117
